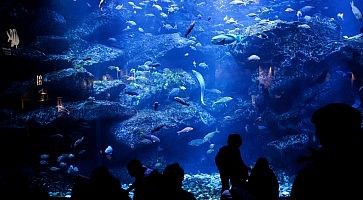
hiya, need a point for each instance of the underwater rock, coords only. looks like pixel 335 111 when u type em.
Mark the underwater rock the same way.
pixel 290 44
pixel 51 44
pixel 90 110
pixel 71 84
pixel 49 22
pixel 138 51
pixel 174 116
pixel 108 90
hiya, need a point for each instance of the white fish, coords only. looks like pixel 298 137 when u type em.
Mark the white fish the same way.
pixel 340 16
pixel 254 58
pixel 299 14
pixel 149 15
pixel 108 150
pixel 203 65
pixel 303 26
pixel 78 141
pixel 137 8
pixel 159 8
pixel 209 151
pixel 209 136
pixel 186 54
pixel 141 29
pixel 131 3
pixel 131 23
pixel 251 15
pixel 44 156
pixel 119 7
pixel 196 142
pixel 307 18
pixel 289 10
pixel 222 100
pixel 238 2
pixel 357 13
pixel 54 169
pixel 307 8
pixel 163 15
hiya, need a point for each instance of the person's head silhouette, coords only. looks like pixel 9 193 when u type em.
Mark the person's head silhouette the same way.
pixel 234 140
pixel 135 168
pixel 336 124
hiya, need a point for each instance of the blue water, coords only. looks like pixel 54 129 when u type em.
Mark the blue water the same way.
pixel 146 46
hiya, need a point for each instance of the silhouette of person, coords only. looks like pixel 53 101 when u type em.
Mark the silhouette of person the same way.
pixel 230 165
pixel 262 182
pixel 103 185
pixel 148 182
pixel 334 170
pixel 173 178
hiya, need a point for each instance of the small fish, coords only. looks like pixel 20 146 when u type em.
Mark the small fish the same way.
pixel 210 135
pixel 289 10
pixel 44 156
pixel 141 29
pixel 152 138
pixel 163 15
pixel 253 58
pixel 209 151
pixel 131 93
pixel 156 105
pixel 203 65
pixel 251 15
pixel 307 8
pixel 86 59
pixel 100 5
pixel 189 29
pixel 54 169
pixel 78 142
pixel 185 130
pixel 108 150
pixel 211 146
pixel 214 91
pixel 181 101
pixel 299 14
pixel 119 7
pixel 196 142
pixel 305 26
pixel 186 54
pixel 157 7
pixel 340 16
pixel 43 162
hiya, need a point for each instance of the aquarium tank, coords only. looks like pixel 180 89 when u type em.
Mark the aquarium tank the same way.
pixel 100 82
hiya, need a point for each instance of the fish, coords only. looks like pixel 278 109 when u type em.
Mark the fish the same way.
pixel 196 142
pixel 185 130
pixel 299 14
pixel 214 91
pixel 203 65
pixel 251 15
pixel 223 100
pixel 210 135
pixel 211 146
pixel 340 16
pixel 189 29
pixel 238 2
pixel 174 92
pixel 156 105
pixel 54 169
pixel 100 5
pixel 119 7
pixel 289 10
pixel 224 39
pixel 44 156
pixel 307 8
pixel 209 151
pixel 108 150
pixel 201 83
pixel 305 26
pixel 131 93
pixel 181 101
pixel 78 142
pixel 157 7
pixel 357 13
pixel 253 58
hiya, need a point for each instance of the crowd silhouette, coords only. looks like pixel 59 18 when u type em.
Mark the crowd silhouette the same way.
pixel 333 171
